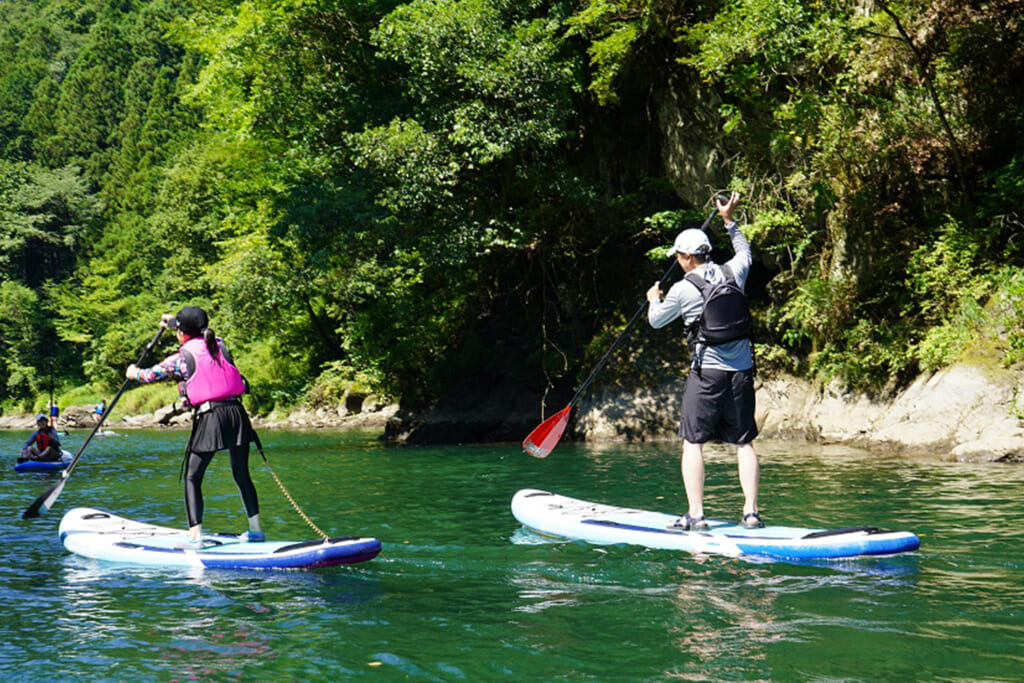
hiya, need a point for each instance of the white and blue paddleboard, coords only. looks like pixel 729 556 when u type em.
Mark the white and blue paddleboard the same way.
pixel 553 515
pixel 105 536
pixel 44 465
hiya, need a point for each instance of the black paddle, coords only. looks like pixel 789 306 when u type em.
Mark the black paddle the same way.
pixel 52 422
pixel 46 501
pixel 544 437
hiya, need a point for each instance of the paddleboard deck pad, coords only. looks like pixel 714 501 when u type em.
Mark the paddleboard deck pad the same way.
pixel 551 514
pixel 105 536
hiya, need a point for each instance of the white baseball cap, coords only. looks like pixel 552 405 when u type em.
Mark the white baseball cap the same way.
pixel 692 241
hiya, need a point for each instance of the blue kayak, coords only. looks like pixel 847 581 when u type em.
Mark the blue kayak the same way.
pixel 560 516
pixel 44 465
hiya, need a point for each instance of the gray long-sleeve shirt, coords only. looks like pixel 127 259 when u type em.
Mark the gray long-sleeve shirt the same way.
pixel 684 301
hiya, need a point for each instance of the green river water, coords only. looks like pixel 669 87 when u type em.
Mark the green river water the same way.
pixel 462 593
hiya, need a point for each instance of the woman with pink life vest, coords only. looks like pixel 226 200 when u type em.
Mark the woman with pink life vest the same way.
pixel 209 382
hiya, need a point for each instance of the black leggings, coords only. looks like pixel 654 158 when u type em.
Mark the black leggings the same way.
pixel 197 464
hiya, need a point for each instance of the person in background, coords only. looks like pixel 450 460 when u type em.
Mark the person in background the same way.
pixel 209 382
pixel 55 419
pixel 101 408
pixel 43 445
pixel 718 400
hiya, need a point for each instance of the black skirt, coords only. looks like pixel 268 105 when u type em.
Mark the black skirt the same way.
pixel 224 425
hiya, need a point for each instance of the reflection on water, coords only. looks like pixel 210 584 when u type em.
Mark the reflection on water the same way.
pixel 204 624
pixel 721 631
pixel 721 616
pixel 461 592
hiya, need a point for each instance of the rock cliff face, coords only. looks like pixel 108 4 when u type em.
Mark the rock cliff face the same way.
pixel 692 150
pixel 965 412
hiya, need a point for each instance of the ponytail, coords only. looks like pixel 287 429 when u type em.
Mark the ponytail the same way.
pixel 210 337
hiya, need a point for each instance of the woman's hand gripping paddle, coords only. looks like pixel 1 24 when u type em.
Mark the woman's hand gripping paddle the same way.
pixel 46 501
pixel 543 439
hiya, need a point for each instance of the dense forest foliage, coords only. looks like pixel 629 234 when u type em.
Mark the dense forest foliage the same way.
pixel 432 199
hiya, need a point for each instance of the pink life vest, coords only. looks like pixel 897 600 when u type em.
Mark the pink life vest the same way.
pixel 210 380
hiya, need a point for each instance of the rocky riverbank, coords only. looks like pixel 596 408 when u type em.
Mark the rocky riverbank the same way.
pixel 373 417
pixel 968 412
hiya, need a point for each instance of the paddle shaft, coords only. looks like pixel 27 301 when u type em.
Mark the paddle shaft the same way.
pixel 46 501
pixel 632 321
pixel 540 442
pixel 618 340
pixel 52 422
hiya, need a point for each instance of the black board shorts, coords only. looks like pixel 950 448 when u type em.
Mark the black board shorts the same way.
pixel 223 426
pixel 719 404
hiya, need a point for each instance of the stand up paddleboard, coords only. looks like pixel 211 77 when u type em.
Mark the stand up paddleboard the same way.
pixel 554 515
pixel 105 536
pixel 44 465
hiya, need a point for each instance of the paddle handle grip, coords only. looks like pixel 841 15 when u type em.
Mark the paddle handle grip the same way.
pixel 113 402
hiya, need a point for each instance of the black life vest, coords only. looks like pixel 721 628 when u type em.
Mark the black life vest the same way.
pixel 726 314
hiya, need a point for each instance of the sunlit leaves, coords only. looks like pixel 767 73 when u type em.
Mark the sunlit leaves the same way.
pixel 482 88
pixel 421 171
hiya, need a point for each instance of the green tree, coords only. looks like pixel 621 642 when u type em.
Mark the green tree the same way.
pixel 44 218
pixel 21 318
pixel 856 120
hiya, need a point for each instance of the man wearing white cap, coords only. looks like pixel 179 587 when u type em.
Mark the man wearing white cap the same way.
pixel 718 400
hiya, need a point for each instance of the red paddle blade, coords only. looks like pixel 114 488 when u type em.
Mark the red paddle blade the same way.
pixel 545 437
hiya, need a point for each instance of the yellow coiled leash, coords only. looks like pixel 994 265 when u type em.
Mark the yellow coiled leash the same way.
pixel 305 517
